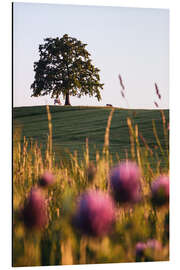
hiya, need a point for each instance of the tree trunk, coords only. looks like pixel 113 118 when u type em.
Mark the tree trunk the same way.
pixel 67 101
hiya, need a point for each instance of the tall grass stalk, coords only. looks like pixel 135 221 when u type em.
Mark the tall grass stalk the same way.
pixel 87 153
pixel 106 136
pixel 138 146
pixel 166 156
pixel 49 137
pixel 131 136
pixel 165 130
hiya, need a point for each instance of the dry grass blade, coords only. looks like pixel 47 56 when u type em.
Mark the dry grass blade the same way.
pixel 131 134
pixel 165 130
pixel 145 144
pixel 137 146
pixel 50 136
pixel 106 136
pixel 87 153
pixel 156 136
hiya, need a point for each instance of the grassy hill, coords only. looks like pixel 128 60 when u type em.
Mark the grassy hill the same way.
pixel 72 125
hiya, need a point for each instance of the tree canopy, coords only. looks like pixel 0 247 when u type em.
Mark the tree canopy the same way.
pixel 65 68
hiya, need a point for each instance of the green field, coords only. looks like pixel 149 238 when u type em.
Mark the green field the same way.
pixel 72 125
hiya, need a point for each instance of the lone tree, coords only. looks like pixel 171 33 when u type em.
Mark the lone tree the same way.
pixel 65 68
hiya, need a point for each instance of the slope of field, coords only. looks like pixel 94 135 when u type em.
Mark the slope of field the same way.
pixel 72 125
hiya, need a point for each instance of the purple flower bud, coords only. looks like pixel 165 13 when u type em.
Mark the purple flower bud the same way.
pixel 125 182
pixel 143 250
pixel 95 213
pixel 35 210
pixel 154 244
pixel 140 249
pixel 46 179
pixel 160 190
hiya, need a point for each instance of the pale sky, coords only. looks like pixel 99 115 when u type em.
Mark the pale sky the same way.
pixel 133 42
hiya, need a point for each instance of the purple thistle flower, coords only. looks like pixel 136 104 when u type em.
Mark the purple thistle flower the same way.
pixel 95 213
pixel 143 250
pixel 125 182
pixel 153 244
pixel 34 212
pixel 46 179
pixel 160 190
pixel 140 249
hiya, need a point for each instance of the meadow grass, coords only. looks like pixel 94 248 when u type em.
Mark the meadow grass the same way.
pixel 72 125
pixel 60 242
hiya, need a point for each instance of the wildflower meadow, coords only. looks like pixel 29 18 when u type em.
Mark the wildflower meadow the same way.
pixel 101 207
